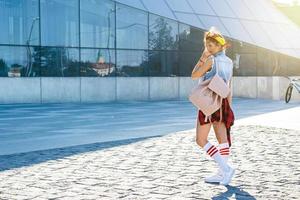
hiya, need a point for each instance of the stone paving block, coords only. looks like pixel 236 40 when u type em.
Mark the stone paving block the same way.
pixel 167 167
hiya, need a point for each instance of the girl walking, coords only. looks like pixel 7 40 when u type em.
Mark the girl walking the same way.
pixel 214 57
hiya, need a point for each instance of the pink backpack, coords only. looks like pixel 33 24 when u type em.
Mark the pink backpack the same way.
pixel 207 95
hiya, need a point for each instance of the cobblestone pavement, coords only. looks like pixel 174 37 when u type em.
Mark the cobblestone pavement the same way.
pixel 168 167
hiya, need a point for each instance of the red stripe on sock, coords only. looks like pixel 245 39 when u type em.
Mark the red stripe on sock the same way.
pixel 224 148
pixel 213 153
pixel 212 146
pixel 223 154
pixel 213 149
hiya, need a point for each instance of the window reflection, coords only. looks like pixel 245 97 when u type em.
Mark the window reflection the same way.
pixel 246 56
pixel 59 23
pixel 163 63
pixel 59 62
pixel 190 38
pixel 19 22
pixel 246 66
pixel 187 62
pixel 97 23
pixel 18 62
pixel 132 26
pixel 293 66
pixel 163 33
pixel 107 27
pixel 132 63
pixel 267 62
pixel 282 65
pixel 97 62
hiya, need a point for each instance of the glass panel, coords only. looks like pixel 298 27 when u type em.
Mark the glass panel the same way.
pixel 240 9
pixel 159 7
pixel 247 65
pixel 133 3
pixel 295 54
pixel 190 38
pixel 59 23
pixel 97 23
pixel 163 33
pixel 298 53
pixel 267 62
pixel 221 8
pixel 163 63
pixel 259 36
pixel 190 19
pixel 244 47
pixel 17 18
pixel 179 5
pixel 59 61
pixel 275 34
pixel 132 63
pixel 97 62
pixel 229 51
pixel 244 56
pixel 282 66
pixel 289 52
pixel 236 29
pixel 292 34
pixel 14 61
pixel 201 7
pixel 187 62
pixel 210 21
pixel 132 26
pixel 293 67
pixel 258 11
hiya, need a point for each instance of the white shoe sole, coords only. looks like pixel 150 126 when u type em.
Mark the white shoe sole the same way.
pixel 214 181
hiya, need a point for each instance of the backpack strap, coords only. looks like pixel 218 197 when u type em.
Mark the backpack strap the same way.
pixel 221 111
pixel 207 117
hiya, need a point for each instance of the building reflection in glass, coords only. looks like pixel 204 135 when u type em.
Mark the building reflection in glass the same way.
pixel 97 62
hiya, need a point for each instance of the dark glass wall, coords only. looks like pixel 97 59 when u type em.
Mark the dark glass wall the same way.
pixel 60 38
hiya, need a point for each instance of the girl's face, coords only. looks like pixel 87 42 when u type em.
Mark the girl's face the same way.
pixel 213 47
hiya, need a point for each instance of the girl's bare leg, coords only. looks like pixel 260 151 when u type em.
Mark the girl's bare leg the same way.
pixel 202 133
pixel 220 131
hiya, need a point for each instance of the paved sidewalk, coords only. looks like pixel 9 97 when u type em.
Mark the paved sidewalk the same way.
pixel 167 167
pixel 31 127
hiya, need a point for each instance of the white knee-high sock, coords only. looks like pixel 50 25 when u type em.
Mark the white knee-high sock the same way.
pixel 213 152
pixel 224 151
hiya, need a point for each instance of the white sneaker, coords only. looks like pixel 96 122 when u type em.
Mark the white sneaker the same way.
pixel 217 178
pixel 227 176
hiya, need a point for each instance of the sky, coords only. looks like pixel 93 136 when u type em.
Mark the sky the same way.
pixel 290 2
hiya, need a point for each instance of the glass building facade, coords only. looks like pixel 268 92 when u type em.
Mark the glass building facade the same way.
pixel 90 38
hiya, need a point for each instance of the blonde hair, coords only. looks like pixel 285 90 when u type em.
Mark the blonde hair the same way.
pixel 215 36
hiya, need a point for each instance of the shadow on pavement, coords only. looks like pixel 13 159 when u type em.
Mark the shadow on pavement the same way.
pixel 236 191
pixel 12 161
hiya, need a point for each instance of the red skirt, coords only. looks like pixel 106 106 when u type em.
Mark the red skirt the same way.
pixel 227 117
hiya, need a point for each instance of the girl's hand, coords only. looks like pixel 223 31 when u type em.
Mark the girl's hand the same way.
pixel 206 53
